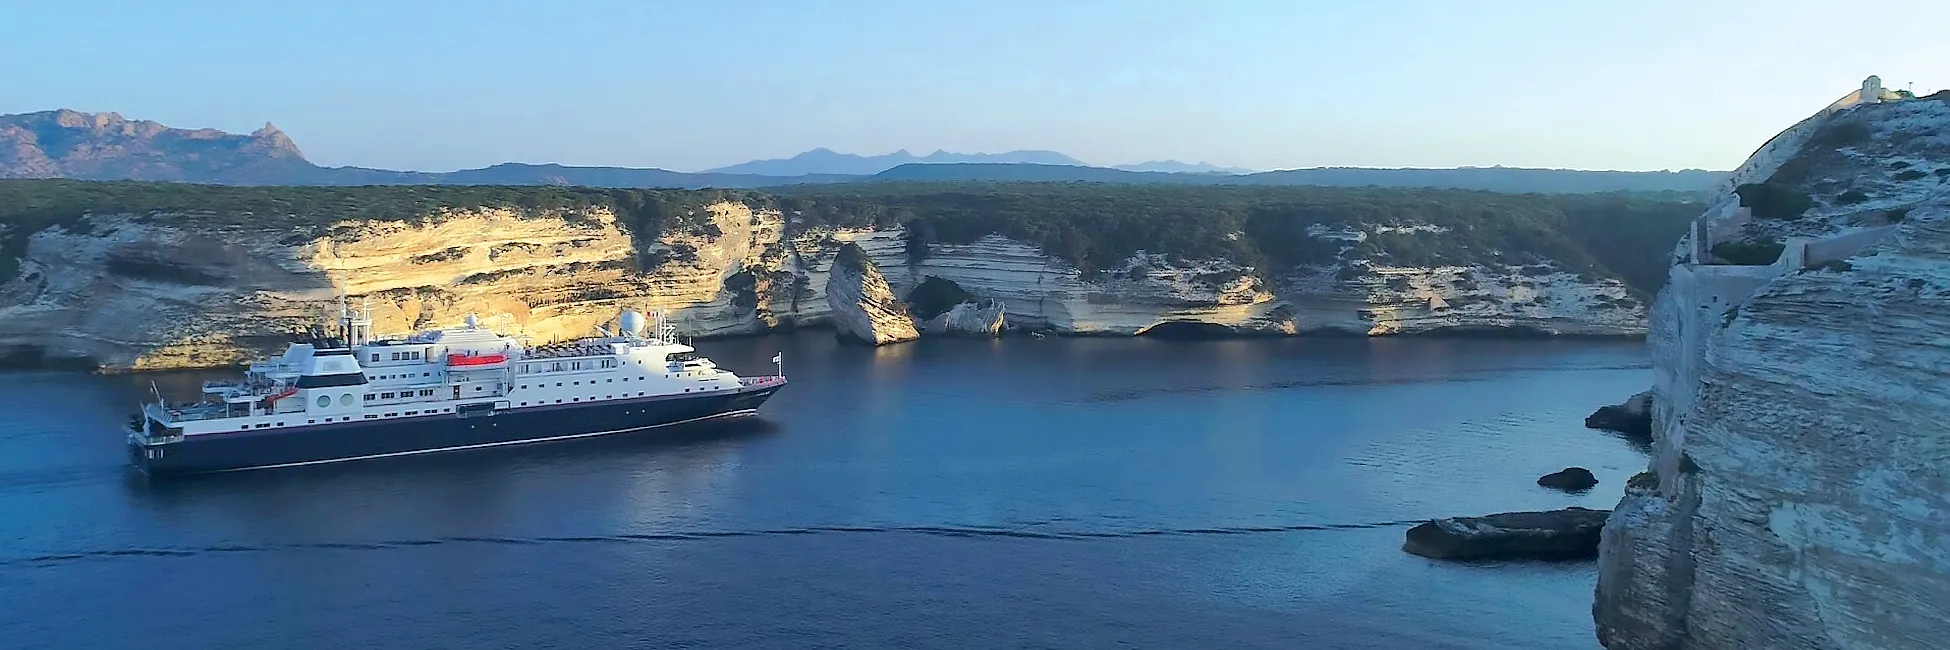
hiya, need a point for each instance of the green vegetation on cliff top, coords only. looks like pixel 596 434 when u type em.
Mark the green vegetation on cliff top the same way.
pixel 1093 226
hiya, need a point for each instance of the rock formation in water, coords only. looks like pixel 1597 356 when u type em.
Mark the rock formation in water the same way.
pixel 979 318
pixel 864 307
pixel 1797 497
pixel 169 276
pixel 1570 479
pixel 1633 417
pixel 1567 534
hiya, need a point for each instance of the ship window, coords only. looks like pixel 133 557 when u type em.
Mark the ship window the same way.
pixel 324 401
pixel 558 384
pixel 612 381
pixel 369 396
pixel 395 356
pixel 375 357
pixel 262 426
pixel 524 403
pixel 426 374
pixel 345 399
pixel 576 383
pixel 280 424
pixel 558 401
pixel 371 417
pixel 573 399
pixel 412 412
pixel 385 396
pixel 477 388
pixel 312 421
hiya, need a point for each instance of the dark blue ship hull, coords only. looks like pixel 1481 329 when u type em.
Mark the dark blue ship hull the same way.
pixel 471 426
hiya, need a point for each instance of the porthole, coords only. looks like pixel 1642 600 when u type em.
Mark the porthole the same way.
pixel 324 401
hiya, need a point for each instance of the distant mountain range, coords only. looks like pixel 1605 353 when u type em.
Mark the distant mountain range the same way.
pixel 106 146
pixel 826 161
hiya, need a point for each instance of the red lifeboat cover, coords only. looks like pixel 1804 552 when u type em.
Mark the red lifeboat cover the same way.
pixel 475 359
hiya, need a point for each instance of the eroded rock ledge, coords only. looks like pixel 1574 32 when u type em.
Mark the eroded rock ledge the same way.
pixel 1567 534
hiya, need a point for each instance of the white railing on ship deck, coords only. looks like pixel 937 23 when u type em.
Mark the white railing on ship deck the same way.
pixel 761 381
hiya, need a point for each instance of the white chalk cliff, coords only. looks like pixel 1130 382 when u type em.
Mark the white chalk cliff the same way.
pixel 1799 492
pixel 156 291
pixel 979 318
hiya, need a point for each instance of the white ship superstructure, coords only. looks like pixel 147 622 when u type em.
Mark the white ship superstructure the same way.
pixel 459 372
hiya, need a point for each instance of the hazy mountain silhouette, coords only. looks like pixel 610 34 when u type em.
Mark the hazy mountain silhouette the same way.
pixel 1176 167
pixel 106 146
pixel 827 161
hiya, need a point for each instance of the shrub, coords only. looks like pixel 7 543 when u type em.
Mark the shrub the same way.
pixel 1769 201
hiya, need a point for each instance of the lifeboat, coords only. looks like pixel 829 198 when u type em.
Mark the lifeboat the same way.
pixel 476 360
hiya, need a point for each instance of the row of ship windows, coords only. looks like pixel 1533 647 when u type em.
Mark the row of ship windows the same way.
pixel 592 398
pixel 612 381
pixel 560 366
pixel 266 425
pixel 424 374
pixel 398 356
pixel 424 392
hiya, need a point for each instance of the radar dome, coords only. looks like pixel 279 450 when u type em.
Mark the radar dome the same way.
pixel 473 322
pixel 632 322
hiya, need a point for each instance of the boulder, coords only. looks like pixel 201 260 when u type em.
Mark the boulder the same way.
pixel 865 309
pixel 1569 479
pixel 1632 418
pixel 1568 534
pixel 981 318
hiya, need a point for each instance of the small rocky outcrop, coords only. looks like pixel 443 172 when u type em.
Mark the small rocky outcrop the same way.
pixel 1569 479
pixel 864 307
pixel 1632 418
pixel 1568 534
pixel 982 318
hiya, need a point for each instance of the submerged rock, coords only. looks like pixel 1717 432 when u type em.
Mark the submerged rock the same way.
pixel 1569 478
pixel 1568 534
pixel 1632 418
pixel 864 307
pixel 982 318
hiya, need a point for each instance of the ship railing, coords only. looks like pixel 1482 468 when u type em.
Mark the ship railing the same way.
pixel 761 381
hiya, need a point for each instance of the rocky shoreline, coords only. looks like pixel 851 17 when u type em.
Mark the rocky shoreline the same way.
pixel 26 358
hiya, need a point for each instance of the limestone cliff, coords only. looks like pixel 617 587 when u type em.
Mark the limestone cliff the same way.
pixel 1797 497
pixel 167 276
pixel 983 318
pixel 863 307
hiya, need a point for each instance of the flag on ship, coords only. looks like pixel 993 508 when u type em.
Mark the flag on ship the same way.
pixel 778 358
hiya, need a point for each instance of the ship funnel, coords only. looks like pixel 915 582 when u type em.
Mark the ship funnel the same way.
pixel 632 322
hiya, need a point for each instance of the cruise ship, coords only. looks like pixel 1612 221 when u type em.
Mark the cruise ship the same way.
pixel 346 395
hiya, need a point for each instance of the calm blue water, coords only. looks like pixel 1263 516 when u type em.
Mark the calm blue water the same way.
pixel 1089 493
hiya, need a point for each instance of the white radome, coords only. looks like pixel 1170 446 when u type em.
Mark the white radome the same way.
pixel 632 322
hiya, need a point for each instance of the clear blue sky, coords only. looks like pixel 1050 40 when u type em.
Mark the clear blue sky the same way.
pixel 440 85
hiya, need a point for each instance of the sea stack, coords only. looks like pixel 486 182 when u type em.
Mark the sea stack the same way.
pixel 864 307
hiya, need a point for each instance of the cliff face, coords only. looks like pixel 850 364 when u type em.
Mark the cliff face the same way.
pixel 164 289
pixel 984 318
pixel 864 307
pixel 1797 497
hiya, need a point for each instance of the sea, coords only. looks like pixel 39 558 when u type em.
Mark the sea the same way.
pixel 1015 493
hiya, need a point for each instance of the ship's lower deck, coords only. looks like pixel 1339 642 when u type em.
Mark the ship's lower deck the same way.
pixel 466 428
